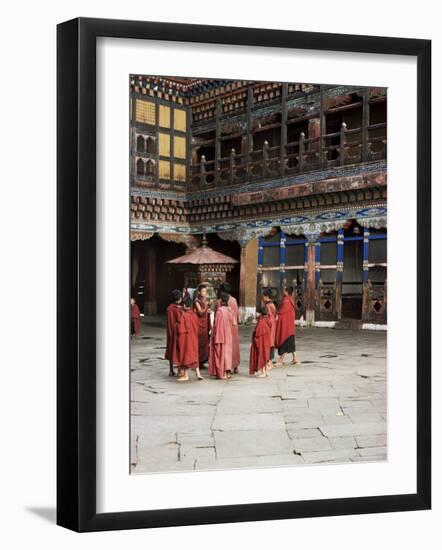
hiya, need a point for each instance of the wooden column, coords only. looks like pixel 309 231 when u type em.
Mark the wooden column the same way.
pixel 248 280
pixel 217 139
pixel 313 148
pixel 321 125
pixel 189 152
pixel 365 124
pixel 157 142
pixel 282 148
pixel 260 260
pixel 282 257
pixel 365 273
pixel 172 145
pixel 150 285
pixel 249 134
pixel 310 286
pixel 339 272
pixel 316 293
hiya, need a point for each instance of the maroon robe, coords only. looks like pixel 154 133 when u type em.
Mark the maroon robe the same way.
pixel 135 318
pixel 260 347
pixel 221 343
pixel 233 305
pixel 285 326
pixel 203 328
pixel 174 312
pixel 272 317
pixel 187 340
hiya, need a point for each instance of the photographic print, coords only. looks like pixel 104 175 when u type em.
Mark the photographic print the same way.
pixel 258 226
pixel 222 249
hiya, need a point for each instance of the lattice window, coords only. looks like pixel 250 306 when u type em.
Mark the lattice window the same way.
pixel 140 167
pixel 150 168
pixel 164 116
pixel 150 145
pixel 179 172
pixel 164 169
pixel 179 147
pixel 140 144
pixel 179 121
pixel 164 141
pixel 145 111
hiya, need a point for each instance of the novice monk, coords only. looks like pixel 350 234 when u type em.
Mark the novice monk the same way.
pixel 220 362
pixel 201 308
pixel 187 342
pixel 260 347
pixel 285 327
pixel 174 312
pixel 135 318
pixel 271 311
pixel 233 305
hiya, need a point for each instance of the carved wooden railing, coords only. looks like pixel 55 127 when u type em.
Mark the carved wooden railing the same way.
pixel 297 157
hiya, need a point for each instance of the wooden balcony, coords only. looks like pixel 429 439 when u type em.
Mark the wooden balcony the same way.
pixel 347 147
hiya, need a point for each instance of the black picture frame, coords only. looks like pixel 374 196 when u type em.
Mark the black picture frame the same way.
pixel 76 274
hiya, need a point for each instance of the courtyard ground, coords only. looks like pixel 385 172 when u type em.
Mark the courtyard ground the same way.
pixel 329 408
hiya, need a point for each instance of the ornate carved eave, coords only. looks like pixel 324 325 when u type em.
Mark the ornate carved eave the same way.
pixel 244 235
pixel 304 223
pixel 378 222
pixel 141 235
pixel 313 230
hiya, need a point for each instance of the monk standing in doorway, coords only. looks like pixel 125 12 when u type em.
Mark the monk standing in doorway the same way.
pixel 187 342
pixel 174 312
pixel 271 312
pixel 233 305
pixel 260 347
pixel 202 310
pixel 285 327
pixel 221 341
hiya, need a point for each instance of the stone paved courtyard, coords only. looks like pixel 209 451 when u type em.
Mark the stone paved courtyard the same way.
pixel 330 408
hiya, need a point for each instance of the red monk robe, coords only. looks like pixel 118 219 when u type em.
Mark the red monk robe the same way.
pixel 233 305
pixel 285 326
pixel 135 318
pixel 220 361
pixel 174 312
pixel 187 340
pixel 271 309
pixel 260 347
pixel 201 308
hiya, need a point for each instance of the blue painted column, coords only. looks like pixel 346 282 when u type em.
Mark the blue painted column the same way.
pixel 282 257
pixel 339 272
pixel 317 263
pixel 365 273
pixel 305 263
pixel 260 260
pixel 365 255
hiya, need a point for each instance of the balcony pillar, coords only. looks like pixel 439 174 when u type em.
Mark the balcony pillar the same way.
pixel 283 140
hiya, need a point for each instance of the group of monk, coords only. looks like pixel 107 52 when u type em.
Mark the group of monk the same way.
pixel 193 340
